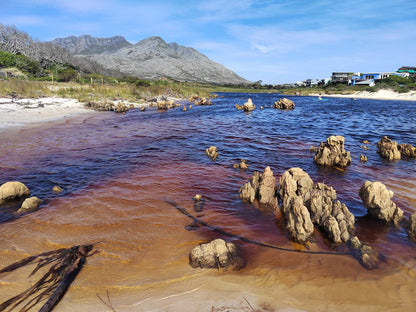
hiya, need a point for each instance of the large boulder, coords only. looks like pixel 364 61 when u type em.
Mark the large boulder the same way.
pixel 407 150
pixel 284 104
pixel 261 187
pixel 216 254
pixel 388 149
pixel 13 190
pixel 305 203
pixel 332 153
pixel 377 200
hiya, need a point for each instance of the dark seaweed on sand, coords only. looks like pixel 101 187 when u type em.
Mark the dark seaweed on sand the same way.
pixel 64 263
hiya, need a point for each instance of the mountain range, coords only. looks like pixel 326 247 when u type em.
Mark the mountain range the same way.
pixel 151 58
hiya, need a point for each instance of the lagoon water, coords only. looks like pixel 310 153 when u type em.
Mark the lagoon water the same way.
pixel 117 172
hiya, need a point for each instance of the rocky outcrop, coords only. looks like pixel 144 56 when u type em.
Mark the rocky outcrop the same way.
pixel 261 187
pixel 248 106
pixel 377 200
pixel 30 204
pixel 407 150
pixel 284 104
pixel 332 153
pixel 216 254
pixel 203 101
pixel 13 190
pixel 212 152
pixel 387 149
pixel 305 204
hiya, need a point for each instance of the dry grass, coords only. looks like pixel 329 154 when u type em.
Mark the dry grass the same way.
pixel 18 88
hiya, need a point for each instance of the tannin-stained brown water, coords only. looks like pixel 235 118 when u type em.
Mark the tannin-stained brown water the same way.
pixel 117 172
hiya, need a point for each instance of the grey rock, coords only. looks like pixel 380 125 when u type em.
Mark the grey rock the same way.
pixel 377 200
pixel 388 149
pixel 151 58
pixel 332 153
pixel 12 190
pixel 216 254
pixel 298 220
pixel 261 187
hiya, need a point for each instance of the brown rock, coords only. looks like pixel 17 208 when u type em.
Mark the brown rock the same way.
pixel 284 104
pixel 212 152
pixel 412 226
pixel 377 200
pixel 57 189
pixel 298 220
pixel 363 158
pixel 250 189
pixel 216 254
pixel 12 190
pixel 407 150
pixel 332 153
pixel 388 149
pixel 30 204
pixel 248 106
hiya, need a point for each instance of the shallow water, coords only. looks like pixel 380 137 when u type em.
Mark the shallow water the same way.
pixel 118 170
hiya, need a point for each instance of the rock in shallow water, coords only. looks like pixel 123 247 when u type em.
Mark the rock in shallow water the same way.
pixel 12 190
pixel 387 148
pixel 30 204
pixel 332 153
pixel 216 254
pixel 377 200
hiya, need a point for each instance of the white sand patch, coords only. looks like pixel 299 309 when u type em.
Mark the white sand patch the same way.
pixel 379 95
pixel 29 111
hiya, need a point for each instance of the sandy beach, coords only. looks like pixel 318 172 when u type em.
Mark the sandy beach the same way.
pixel 17 113
pixel 379 95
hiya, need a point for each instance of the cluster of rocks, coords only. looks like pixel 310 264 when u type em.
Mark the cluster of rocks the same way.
pixel 247 106
pixel 261 187
pixel 199 101
pixel 241 165
pixel 163 103
pixel 119 107
pixel 17 191
pixel 212 152
pixel 390 150
pixel 332 153
pixel 305 204
pixel 216 254
pixel 284 104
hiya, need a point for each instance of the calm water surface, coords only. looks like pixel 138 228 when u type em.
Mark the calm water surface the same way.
pixel 117 170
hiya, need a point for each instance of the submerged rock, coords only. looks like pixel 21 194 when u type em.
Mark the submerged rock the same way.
pixel 30 204
pixel 387 149
pixel 332 153
pixel 216 254
pixel 377 200
pixel 284 104
pixel 367 256
pixel 12 190
pixel 412 226
pixel 407 150
pixel 57 189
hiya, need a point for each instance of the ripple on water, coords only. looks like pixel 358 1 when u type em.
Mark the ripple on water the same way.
pixel 117 171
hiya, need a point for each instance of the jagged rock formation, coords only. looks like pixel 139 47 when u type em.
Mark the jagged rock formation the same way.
pixel 87 45
pixel 261 187
pixel 412 226
pixel 284 104
pixel 407 150
pixel 332 153
pixel 248 106
pixel 377 199
pixel 305 204
pixel 387 148
pixel 151 58
pixel 216 254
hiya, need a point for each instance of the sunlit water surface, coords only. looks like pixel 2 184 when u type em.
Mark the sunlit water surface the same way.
pixel 118 170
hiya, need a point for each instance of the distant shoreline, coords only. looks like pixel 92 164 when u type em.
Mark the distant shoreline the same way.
pixel 379 95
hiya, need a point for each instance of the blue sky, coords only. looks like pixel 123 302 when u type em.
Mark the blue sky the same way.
pixel 272 41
